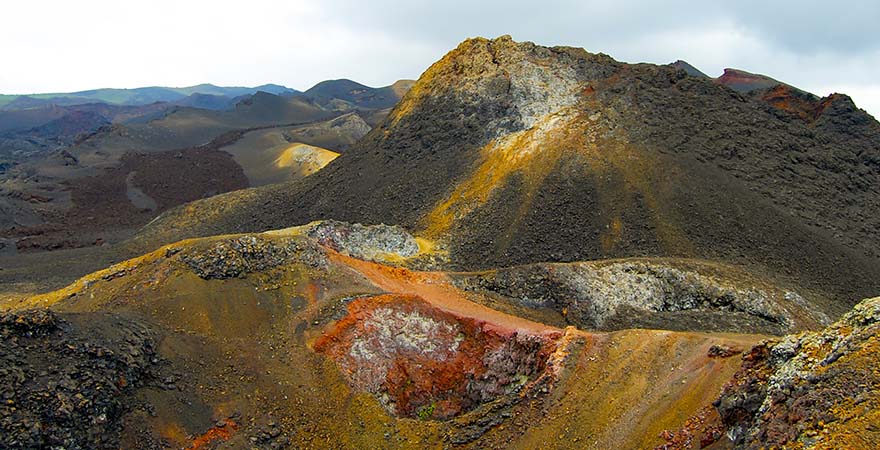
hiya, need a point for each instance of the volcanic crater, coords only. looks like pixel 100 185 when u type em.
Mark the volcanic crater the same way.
pixel 423 362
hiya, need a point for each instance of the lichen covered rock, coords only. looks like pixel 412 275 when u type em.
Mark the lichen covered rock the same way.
pixel 370 242
pixel 639 294
pixel 817 390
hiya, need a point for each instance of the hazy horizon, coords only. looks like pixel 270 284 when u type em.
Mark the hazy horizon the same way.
pixel 303 89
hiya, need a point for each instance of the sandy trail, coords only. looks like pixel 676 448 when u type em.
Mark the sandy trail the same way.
pixel 437 289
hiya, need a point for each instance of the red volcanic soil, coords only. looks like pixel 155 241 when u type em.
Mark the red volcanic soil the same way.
pixel 214 434
pixel 801 104
pixel 427 363
pixel 427 351
pixel 742 81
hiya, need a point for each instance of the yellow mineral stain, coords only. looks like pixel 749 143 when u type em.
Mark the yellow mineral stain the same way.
pixel 448 66
pixel 612 235
pixel 304 159
pixel 419 90
pixel 533 152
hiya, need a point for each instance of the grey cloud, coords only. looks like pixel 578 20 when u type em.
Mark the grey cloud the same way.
pixel 547 22
pixel 813 44
pixel 799 26
pixel 813 26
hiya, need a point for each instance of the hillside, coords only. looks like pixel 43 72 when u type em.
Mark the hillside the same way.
pixel 321 336
pixel 742 81
pixel 97 172
pixel 817 390
pixel 36 131
pixel 534 248
pixel 509 153
pixel 24 119
pixel 346 94
pixel 300 336
pixel 20 116
pixel 689 69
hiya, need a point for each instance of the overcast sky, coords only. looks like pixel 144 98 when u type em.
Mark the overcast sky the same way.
pixel 65 45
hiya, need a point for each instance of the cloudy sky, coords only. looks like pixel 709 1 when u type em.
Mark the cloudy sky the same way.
pixel 51 46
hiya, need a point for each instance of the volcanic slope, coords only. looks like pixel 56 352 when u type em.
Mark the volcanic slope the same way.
pixel 317 337
pixel 279 154
pixel 119 178
pixel 818 390
pixel 509 153
pixel 185 127
pixel 346 94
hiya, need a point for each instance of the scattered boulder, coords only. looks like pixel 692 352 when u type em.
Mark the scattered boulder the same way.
pixel 722 351
pixel 237 256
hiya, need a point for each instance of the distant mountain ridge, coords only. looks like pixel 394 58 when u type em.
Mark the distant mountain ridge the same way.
pixel 339 94
pixel 347 94
pixel 136 96
pixel 737 79
pixel 20 115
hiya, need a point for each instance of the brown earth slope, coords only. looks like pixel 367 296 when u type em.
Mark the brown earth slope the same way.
pixel 511 153
pixel 311 338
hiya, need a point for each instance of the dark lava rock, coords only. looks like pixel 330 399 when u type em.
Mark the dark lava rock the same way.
pixel 270 436
pixel 235 257
pixel 722 351
pixel 65 379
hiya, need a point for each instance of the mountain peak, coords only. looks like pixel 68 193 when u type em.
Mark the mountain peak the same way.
pixel 344 94
pixel 512 153
pixel 519 82
pixel 691 70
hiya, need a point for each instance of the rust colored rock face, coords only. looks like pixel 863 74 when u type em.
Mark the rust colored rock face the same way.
pixel 427 363
pixel 742 81
pixel 805 106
